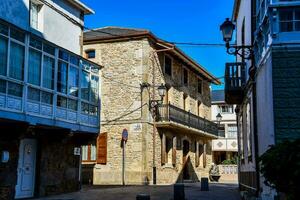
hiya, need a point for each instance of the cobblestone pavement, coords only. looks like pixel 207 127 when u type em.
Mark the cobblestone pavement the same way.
pixel 217 191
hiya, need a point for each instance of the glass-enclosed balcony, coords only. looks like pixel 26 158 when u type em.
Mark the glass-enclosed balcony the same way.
pixel 41 83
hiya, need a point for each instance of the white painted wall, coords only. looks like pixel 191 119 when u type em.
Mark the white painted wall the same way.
pixel 55 28
pixel 265 115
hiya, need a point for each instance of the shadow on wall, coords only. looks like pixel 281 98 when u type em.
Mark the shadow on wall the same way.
pixel 187 172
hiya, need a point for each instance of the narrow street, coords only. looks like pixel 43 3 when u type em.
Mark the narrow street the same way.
pixel 218 191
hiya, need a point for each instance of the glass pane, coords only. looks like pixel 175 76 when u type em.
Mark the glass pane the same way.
pixel 47 98
pixel 74 60
pixel 48 72
pixel 63 55
pixel 3 56
pixel 16 61
pixel 34 67
pixel 93 152
pixel 286 26
pixel 15 89
pixel 16 34
pixel 73 81
pixel 84 152
pixel 49 49
pixel 62 75
pixel 85 85
pixel 2 86
pixel 72 104
pixel 95 69
pixel 297 26
pixel 85 108
pixel 85 65
pixel 297 14
pixel 93 110
pixel 285 14
pixel 91 54
pixel 94 89
pixel 33 94
pixel 36 43
pixel 61 101
pixel 3 29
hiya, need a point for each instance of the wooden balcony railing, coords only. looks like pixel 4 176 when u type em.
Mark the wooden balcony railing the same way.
pixel 235 80
pixel 169 112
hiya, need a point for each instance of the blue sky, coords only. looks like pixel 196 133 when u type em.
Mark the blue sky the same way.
pixel 195 21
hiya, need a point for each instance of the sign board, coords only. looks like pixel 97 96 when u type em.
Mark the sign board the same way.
pixel 77 151
pixel 124 134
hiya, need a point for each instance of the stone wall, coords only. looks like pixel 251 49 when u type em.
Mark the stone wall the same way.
pixel 127 64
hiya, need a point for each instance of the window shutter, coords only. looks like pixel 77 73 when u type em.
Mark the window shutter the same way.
pixel 174 150
pixel 163 149
pixel 102 148
pixel 197 154
pixel 204 155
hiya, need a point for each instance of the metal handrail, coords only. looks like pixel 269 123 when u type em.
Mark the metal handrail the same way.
pixel 168 112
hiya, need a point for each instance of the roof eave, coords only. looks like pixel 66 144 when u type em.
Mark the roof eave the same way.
pixel 87 10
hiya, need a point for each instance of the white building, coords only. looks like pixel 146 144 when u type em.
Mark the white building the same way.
pixel 226 146
pixel 267 91
pixel 49 97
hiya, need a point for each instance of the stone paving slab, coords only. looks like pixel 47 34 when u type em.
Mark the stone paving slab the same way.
pixel 218 191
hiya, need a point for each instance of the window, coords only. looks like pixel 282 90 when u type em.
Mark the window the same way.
pixel 94 88
pixel 47 98
pixel 34 67
pixel 48 72
pixel 73 81
pixel 33 94
pixel 15 89
pixel 90 53
pixel 2 86
pixel 3 55
pixel 34 15
pixel 85 85
pixel 221 130
pixel 16 61
pixel 232 131
pixel 62 77
pixel 289 19
pixel 61 102
pixel 185 76
pixel 168 65
pixel 199 86
pixel 226 109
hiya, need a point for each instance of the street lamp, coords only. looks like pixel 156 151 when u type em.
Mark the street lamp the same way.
pixel 244 51
pixel 219 118
pixel 162 92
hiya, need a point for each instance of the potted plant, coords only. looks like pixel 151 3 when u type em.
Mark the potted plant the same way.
pixel 214 174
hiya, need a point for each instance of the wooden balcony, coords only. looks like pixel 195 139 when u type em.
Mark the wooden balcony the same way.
pixel 235 80
pixel 170 113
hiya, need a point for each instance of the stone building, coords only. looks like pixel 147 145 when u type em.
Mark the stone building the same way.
pixel 267 94
pixel 167 143
pixel 47 109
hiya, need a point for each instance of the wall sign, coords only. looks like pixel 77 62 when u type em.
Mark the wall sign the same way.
pixel 77 151
pixel 124 134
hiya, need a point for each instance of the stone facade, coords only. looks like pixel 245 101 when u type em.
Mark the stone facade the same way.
pixel 125 104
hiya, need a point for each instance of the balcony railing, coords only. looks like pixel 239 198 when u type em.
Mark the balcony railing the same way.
pixel 172 113
pixel 235 79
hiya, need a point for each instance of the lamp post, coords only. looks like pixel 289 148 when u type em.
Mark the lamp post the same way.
pixel 153 105
pixel 219 118
pixel 244 51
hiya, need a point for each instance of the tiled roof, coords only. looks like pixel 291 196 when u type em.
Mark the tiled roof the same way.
pixel 217 96
pixel 110 31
